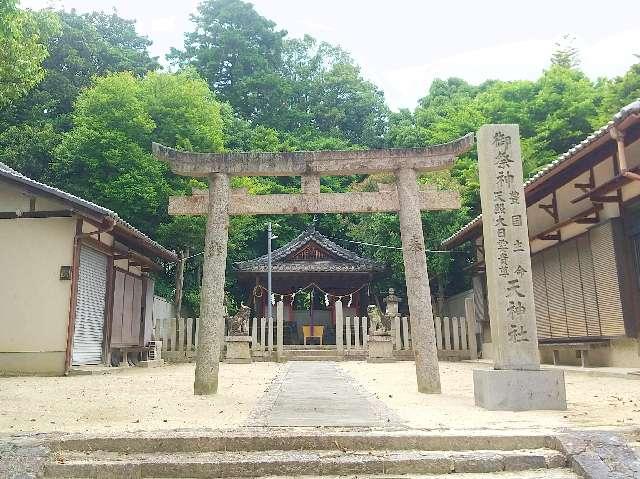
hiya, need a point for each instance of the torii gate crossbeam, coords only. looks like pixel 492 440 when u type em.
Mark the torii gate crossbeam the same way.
pixel 404 197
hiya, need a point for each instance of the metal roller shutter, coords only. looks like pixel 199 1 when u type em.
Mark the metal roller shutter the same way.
pixel 90 308
pixel 607 283
pixel 572 286
pixel 540 297
pixel 588 286
pixel 555 293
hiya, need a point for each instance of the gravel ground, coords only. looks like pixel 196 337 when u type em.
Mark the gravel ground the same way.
pixel 162 399
pixel 601 402
pixel 136 399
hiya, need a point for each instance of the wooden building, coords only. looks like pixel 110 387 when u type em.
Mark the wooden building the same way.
pixel 583 212
pixel 318 271
pixel 75 287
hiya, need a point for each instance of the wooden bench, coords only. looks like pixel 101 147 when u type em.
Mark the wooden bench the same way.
pixel 312 332
pixel 582 346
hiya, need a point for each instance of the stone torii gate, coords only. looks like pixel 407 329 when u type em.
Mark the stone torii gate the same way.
pixel 404 197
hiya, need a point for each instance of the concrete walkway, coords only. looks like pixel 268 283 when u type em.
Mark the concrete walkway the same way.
pixel 318 394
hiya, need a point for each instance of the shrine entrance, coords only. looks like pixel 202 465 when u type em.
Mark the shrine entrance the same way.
pixel 309 274
pixel 405 196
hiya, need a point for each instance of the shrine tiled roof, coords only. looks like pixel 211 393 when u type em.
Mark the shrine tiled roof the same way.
pixel 339 259
pixel 474 227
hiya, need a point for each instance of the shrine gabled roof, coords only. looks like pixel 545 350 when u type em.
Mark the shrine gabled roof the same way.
pixel 338 259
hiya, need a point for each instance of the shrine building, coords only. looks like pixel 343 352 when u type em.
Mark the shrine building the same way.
pixel 309 274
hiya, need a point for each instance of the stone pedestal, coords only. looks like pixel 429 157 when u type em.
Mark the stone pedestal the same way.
pixel 238 350
pixel 380 349
pixel 511 390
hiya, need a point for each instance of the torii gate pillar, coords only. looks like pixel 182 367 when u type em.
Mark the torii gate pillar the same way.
pixel 212 291
pixel 417 279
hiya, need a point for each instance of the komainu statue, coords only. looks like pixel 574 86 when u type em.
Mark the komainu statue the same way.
pixel 239 323
pixel 380 324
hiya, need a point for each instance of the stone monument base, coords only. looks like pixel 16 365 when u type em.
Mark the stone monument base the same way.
pixel 380 349
pixel 238 351
pixel 519 390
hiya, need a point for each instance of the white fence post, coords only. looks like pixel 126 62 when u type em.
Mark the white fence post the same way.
pixel 254 335
pixel 464 344
pixel 438 325
pixel 397 344
pixel 197 332
pixel 263 334
pixel 469 308
pixel 279 330
pixel 456 333
pixel 180 335
pixel 405 333
pixel 270 336
pixel 447 333
pixel 173 334
pixel 356 333
pixel 365 332
pixel 190 335
pixel 347 324
pixel 339 327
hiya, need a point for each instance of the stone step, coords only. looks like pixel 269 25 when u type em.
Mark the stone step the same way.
pixel 313 347
pixel 532 474
pixel 310 352
pixel 314 358
pixel 70 464
pixel 258 439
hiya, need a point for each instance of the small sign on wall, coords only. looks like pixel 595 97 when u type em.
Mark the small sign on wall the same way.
pixel 65 273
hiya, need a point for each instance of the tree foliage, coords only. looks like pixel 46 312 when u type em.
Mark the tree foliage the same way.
pixel 299 86
pixel 82 46
pixel 86 103
pixel 22 50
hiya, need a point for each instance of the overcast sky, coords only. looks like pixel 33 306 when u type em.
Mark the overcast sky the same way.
pixel 402 45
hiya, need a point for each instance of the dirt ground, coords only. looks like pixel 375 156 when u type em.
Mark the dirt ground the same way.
pixel 162 398
pixel 136 399
pixel 601 402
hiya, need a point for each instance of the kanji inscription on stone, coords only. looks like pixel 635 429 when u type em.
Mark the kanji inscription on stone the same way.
pixel 506 244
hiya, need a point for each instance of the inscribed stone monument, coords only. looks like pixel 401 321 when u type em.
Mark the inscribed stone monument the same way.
pixel 516 383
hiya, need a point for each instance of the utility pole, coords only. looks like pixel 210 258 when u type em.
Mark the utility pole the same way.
pixel 182 257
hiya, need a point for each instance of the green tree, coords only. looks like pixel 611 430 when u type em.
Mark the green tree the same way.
pixel 238 52
pixel 617 93
pixel 106 156
pixel 84 46
pixel 22 50
pixel 565 53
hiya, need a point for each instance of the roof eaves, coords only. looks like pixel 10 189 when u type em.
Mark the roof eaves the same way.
pixel 7 172
pixel 632 108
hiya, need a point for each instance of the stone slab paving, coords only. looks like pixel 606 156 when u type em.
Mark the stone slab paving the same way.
pixel 319 394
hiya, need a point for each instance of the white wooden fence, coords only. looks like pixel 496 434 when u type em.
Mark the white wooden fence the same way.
pixel 455 336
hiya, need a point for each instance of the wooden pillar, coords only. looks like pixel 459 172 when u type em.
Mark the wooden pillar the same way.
pixel 469 311
pixel 213 278
pixel 417 279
